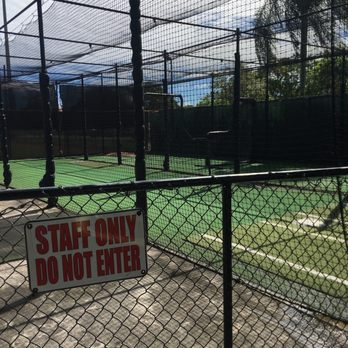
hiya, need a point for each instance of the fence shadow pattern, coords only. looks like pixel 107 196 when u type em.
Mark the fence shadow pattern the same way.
pixel 289 267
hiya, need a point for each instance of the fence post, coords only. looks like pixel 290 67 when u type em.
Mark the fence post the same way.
pixel 165 112
pixel 49 176
pixel 138 98
pixel 267 73
pixel 4 142
pixel 84 119
pixel 118 118
pixel 227 262
pixel 7 41
pixel 236 105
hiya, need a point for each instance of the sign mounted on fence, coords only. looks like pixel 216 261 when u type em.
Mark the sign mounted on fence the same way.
pixel 83 250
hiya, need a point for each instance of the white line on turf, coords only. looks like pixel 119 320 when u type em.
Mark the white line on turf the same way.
pixel 298 230
pixel 283 262
pixel 318 218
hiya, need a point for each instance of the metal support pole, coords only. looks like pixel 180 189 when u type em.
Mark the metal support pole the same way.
pixel 4 142
pixel 7 42
pixel 118 119
pixel 172 113
pixel 333 88
pixel 165 113
pixel 227 262
pixel 138 99
pixel 102 132
pixel 84 119
pixel 236 105
pixel 342 103
pixel 212 123
pixel 59 119
pixel 267 100
pixel 49 176
pixel 212 103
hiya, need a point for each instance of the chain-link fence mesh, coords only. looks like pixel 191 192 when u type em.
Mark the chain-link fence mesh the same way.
pixel 289 268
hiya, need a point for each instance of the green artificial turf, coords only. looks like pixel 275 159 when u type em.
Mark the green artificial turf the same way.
pixel 270 247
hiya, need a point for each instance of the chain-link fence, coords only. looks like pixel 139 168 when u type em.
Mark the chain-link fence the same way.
pixel 285 234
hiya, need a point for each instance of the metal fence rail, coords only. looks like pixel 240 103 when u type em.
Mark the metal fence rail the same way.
pixel 248 260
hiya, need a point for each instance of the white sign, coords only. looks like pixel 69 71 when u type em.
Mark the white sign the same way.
pixel 83 250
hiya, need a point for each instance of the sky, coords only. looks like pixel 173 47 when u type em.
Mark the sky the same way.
pixel 13 7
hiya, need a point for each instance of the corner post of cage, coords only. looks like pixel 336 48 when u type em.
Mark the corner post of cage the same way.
pixel 236 105
pixel 49 176
pixel 227 262
pixel 335 123
pixel 4 142
pixel 342 104
pixel 211 123
pixel 165 112
pixel 102 130
pixel 84 118
pixel 138 99
pixel 172 100
pixel 118 118
pixel 7 41
pixel 59 118
pixel 267 73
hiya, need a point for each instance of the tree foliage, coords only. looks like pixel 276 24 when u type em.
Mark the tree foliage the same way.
pixel 301 19
pixel 284 82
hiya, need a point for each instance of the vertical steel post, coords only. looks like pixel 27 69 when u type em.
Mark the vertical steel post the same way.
pixel 138 99
pixel 49 176
pixel 342 102
pixel 4 142
pixel 59 119
pixel 165 112
pixel 118 118
pixel 172 114
pixel 84 118
pixel 227 262
pixel 333 86
pixel 267 99
pixel 212 103
pixel 102 132
pixel 211 125
pixel 236 105
pixel 7 42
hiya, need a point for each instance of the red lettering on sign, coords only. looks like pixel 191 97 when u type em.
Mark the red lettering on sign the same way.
pixel 85 232
pixel 101 232
pixel 100 263
pixel 126 259
pixel 52 270
pixel 54 236
pixel 118 260
pixel 131 221
pixel 109 261
pixel 78 266
pixel 124 238
pixel 76 233
pixel 68 274
pixel 75 266
pixel 113 230
pixel 117 252
pixel 87 255
pixel 135 257
pixel 43 247
pixel 65 238
pixel 41 272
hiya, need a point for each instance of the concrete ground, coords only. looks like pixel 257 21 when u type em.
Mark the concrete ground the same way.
pixel 177 304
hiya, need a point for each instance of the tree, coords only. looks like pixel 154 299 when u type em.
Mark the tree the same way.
pixel 283 82
pixel 223 88
pixel 296 17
